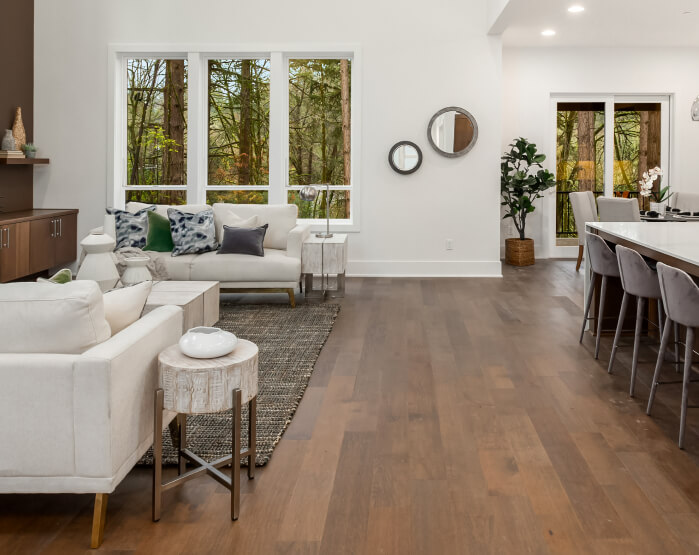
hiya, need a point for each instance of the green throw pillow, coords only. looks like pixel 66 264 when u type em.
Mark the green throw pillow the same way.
pixel 62 276
pixel 159 238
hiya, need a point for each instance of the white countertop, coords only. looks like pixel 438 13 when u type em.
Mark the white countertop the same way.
pixel 677 239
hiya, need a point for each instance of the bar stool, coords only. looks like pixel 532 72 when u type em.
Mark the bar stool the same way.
pixel 681 298
pixel 640 281
pixel 603 263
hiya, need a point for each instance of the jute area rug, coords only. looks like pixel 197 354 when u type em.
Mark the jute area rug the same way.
pixel 290 340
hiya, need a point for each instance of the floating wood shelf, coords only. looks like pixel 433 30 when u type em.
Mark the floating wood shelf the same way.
pixel 22 161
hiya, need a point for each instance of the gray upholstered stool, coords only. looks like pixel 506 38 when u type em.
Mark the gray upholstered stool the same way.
pixel 681 298
pixel 640 281
pixel 603 263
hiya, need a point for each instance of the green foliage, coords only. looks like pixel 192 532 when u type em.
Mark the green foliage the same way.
pixel 28 147
pixel 523 180
pixel 239 122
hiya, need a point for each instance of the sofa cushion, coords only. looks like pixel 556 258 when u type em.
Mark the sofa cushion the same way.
pixel 51 318
pixel 273 266
pixel 192 233
pixel 231 219
pixel 123 306
pixel 161 209
pixel 280 217
pixel 240 240
pixel 178 267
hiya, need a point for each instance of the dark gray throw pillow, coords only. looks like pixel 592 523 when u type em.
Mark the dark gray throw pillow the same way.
pixel 243 240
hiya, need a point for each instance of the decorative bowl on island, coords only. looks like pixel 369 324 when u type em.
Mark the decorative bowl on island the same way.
pixel 205 342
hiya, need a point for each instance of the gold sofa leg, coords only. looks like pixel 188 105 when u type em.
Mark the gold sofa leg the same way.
pixel 98 518
pixel 292 299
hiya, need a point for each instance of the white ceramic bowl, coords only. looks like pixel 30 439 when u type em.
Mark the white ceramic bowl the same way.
pixel 203 342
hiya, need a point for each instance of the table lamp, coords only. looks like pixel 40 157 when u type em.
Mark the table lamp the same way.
pixel 309 193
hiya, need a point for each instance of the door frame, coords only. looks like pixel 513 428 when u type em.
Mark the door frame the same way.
pixel 666 101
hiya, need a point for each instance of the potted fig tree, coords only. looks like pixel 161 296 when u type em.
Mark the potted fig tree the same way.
pixel 523 180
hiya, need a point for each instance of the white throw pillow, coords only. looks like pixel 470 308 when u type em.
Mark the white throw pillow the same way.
pixel 122 307
pixel 51 318
pixel 231 219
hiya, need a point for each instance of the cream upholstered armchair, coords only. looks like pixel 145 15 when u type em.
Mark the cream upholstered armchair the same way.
pixel 685 201
pixel 76 403
pixel 618 210
pixel 584 210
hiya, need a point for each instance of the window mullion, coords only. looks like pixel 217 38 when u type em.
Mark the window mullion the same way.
pixel 278 128
pixel 196 129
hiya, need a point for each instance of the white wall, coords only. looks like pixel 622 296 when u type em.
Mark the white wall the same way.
pixel 417 58
pixel 531 75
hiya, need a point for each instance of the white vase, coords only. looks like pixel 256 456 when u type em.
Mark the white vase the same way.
pixel 98 264
pixel 658 207
pixel 136 270
pixel 8 140
pixel 204 342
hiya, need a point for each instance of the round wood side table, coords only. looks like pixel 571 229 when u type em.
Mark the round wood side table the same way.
pixel 200 386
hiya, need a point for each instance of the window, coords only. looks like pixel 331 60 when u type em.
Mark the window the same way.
pixel 156 130
pixel 320 134
pixel 238 127
pixel 238 153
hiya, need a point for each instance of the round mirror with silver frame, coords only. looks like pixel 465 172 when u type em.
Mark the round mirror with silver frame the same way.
pixel 405 157
pixel 452 131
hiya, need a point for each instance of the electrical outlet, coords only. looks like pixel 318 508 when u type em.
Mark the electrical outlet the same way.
pixel 450 244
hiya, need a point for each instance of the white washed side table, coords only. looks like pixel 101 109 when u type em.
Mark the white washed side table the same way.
pixel 324 256
pixel 201 386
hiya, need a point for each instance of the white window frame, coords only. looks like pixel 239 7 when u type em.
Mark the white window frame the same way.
pixel 609 99
pixel 197 57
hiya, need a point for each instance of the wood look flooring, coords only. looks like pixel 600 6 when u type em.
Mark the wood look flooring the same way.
pixel 444 416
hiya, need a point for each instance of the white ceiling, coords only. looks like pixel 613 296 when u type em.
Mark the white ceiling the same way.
pixel 603 23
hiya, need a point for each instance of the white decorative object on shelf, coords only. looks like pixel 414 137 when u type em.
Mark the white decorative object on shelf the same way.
pixel 204 342
pixel 136 271
pixel 98 264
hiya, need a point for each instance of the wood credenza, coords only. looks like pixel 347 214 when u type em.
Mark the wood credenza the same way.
pixel 32 241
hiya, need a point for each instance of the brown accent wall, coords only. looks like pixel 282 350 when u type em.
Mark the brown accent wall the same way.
pixel 17 89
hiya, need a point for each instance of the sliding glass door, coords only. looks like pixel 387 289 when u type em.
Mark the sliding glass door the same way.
pixel 604 144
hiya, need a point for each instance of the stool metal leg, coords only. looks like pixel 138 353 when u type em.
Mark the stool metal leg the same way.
pixel 619 326
pixel 157 453
pixel 659 364
pixel 677 347
pixel 640 304
pixel 688 349
pixel 600 314
pixel 252 436
pixel 182 426
pixel 235 460
pixel 588 303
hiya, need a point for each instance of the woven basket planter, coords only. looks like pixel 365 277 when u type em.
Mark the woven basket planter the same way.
pixel 519 252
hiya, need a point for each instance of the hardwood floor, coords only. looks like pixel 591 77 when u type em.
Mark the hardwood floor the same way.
pixel 443 416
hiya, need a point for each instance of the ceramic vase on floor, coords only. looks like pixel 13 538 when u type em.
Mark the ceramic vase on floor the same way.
pixel 18 130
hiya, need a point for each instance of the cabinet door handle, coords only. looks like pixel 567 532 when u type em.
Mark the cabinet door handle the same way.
pixel 60 227
pixel 53 228
pixel 8 238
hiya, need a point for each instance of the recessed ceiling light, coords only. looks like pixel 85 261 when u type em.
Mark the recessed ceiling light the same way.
pixel 686 12
pixel 576 8
pixel 548 32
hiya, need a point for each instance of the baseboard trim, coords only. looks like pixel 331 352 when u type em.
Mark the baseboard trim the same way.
pixel 424 268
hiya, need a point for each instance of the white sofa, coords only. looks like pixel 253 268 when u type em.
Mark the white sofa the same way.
pixel 279 270
pixel 76 405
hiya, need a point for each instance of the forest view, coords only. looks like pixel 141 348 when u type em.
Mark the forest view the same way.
pixel 238 131
pixel 580 151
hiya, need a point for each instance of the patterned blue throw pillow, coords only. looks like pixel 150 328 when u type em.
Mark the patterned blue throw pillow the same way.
pixel 192 233
pixel 131 229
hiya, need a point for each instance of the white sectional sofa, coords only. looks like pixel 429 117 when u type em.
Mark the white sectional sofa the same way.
pixel 685 201
pixel 279 270
pixel 76 404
